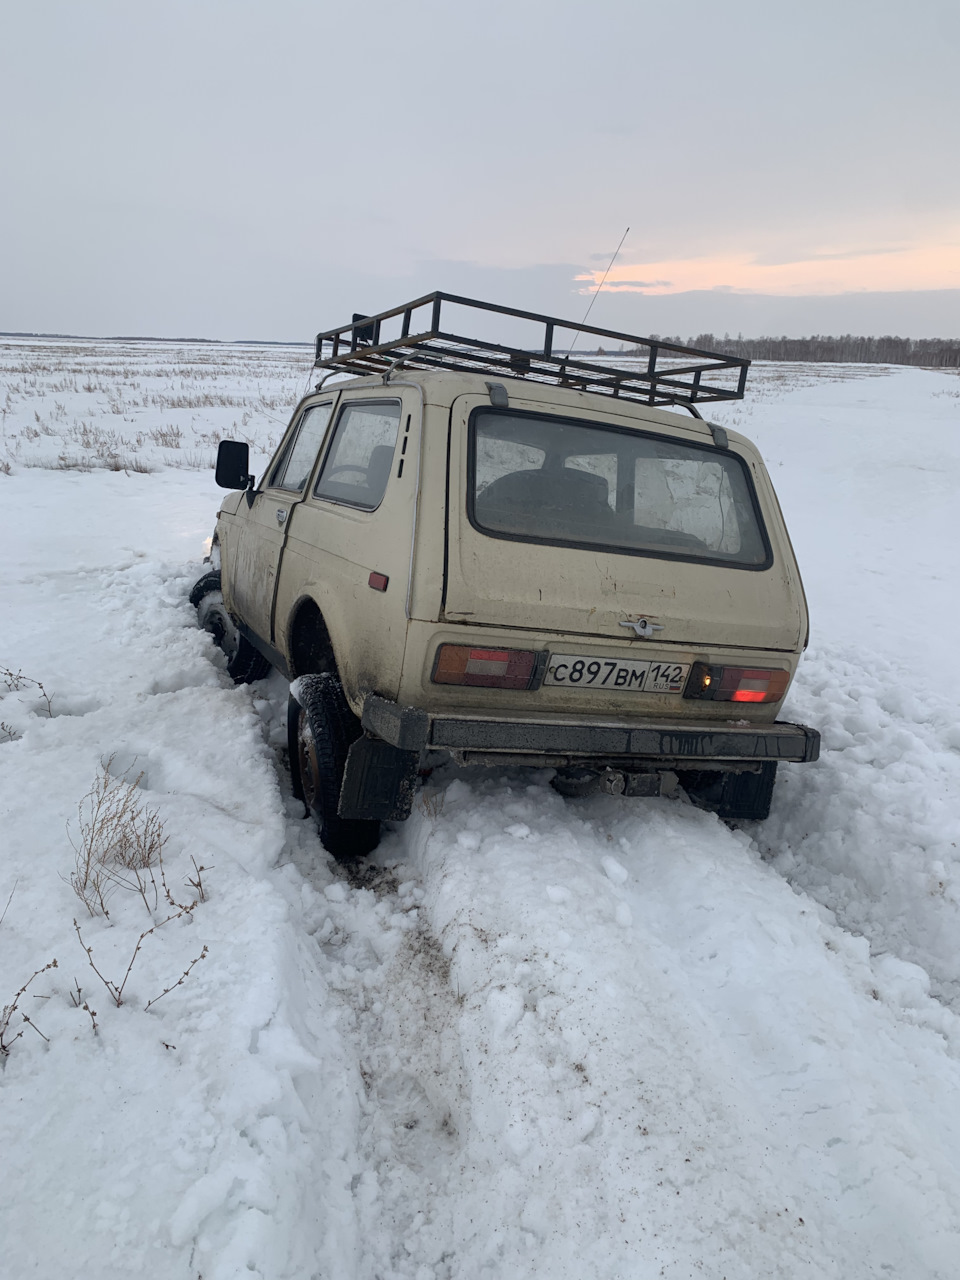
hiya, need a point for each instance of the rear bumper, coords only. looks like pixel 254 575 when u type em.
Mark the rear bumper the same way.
pixel 541 741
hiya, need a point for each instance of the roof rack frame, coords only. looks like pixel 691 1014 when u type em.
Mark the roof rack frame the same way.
pixel 356 349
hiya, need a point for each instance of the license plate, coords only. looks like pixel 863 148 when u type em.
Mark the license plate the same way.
pixel 626 674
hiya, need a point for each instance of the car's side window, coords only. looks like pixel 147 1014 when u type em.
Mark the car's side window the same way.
pixel 359 460
pixel 296 462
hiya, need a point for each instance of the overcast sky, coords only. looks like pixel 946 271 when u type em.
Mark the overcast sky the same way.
pixel 244 168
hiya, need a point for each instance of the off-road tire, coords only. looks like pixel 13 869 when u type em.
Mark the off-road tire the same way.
pixel 320 730
pixel 244 663
pixel 203 586
pixel 734 797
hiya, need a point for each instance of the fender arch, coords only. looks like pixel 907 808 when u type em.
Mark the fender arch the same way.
pixel 309 647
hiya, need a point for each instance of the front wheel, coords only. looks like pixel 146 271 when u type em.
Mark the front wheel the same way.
pixel 244 663
pixel 320 731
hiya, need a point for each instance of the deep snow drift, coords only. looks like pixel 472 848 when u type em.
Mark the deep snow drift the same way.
pixel 534 1038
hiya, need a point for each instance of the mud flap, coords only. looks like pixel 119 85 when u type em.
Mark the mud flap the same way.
pixel 379 780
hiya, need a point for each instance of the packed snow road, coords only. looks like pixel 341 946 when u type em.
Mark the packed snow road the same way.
pixel 532 1037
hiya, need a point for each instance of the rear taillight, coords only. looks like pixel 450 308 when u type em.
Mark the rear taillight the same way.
pixel 490 668
pixel 736 684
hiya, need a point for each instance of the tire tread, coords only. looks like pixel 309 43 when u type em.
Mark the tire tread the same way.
pixel 247 664
pixel 334 728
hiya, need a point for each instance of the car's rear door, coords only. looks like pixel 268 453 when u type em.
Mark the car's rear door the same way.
pixel 548 536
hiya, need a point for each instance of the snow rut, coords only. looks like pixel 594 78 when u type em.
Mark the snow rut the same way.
pixel 395 1009
pixel 608 1036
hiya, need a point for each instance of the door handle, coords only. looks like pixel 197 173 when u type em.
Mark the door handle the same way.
pixel 281 515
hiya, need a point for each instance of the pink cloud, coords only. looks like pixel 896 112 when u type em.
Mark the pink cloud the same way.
pixel 909 267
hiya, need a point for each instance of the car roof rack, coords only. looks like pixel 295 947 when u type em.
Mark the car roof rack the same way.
pixel 660 373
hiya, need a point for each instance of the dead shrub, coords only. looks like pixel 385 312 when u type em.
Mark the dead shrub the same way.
pixel 116 989
pixel 7 1041
pixel 16 680
pixel 120 842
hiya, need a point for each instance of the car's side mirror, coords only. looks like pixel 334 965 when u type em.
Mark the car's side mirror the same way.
pixel 233 465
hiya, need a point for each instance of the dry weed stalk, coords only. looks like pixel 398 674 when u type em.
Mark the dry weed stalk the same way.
pixel 180 981
pixel 197 884
pixel 3 915
pixel 6 1040
pixel 115 989
pixel 78 1002
pixel 16 680
pixel 120 842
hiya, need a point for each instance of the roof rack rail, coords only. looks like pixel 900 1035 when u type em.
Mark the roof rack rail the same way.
pixel 659 373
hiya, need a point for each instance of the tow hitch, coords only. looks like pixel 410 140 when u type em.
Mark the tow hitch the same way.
pixel 616 782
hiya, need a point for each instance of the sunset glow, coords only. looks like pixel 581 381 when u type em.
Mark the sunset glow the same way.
pixel 888 269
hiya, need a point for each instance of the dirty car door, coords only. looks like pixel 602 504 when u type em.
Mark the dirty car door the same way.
pixel 262 532
pixel 580 524
pixel 349 543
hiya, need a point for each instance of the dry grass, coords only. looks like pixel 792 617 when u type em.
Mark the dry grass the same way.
pixel 167 437
pixel 86 406
pixel 120 842
pixel 120 845
pixel 430 802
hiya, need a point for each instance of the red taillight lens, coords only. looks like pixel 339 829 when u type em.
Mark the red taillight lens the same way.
pixel 736 684
pixel 489 668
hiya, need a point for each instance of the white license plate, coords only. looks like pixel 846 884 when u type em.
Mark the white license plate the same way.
pixel 626 674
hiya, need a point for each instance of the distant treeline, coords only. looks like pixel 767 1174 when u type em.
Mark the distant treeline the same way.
pixel 935 353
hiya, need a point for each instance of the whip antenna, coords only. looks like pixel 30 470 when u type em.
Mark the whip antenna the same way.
pixel 596 292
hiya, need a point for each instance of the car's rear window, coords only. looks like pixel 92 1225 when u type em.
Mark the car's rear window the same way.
pixel 555 480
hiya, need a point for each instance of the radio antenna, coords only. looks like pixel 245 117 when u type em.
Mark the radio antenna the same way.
pixel 596 292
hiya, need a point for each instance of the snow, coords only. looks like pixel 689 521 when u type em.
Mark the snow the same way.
pixel 532 1037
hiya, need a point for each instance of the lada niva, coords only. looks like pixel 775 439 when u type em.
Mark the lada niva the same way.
pixel 509 555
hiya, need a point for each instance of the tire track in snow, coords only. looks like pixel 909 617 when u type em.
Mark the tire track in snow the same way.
pixel 606 1036
pixel 596 1139
pixel 663 1052
pixel 392 1002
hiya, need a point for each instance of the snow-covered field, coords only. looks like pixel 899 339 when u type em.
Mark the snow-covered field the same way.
pixel 535 1037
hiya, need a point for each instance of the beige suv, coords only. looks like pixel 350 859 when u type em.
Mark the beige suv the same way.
pixel 507 556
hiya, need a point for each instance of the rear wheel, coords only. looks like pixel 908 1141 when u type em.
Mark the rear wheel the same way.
pixel 735 797
pixel 244 662
pixel 321 729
